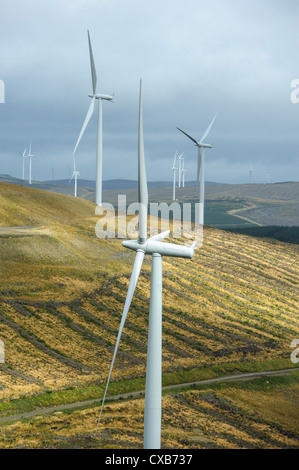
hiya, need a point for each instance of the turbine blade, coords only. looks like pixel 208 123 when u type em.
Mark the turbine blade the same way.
pixel 142 182
pixel 160 236
pixel 92 66
pixel 208 129
pixel 195 141
pixel 88 116
pixel 174 161
pixel 132 285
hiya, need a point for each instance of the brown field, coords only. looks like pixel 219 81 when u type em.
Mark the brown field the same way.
pixel 232 308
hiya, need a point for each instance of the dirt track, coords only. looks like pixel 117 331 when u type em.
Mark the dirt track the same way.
pixel 227 378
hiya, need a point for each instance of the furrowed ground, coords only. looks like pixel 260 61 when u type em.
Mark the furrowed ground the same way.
pixel 233 308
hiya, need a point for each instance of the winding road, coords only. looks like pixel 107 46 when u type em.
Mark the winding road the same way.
pixel 227 378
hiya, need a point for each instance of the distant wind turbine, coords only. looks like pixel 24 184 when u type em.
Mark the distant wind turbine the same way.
pixel 183 172
pixel 180 157
pixel 154 247
pixel 200 166
pixel 30 163
pixel 75 176
pixel 174 169
pixel 23 156
pixel 99 150
pixel 251 174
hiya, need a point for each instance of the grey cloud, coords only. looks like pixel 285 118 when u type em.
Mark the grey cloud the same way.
pixel 195 58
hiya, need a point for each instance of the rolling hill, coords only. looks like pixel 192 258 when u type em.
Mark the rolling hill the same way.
pixel 231 309
pixel 227 205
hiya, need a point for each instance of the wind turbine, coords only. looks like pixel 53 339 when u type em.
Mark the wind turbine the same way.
pixel 154 247
pixel 30 163
pixel 183 172
pixel 180 168
pixel 200 166
pixel 251 174
pixel 75 175
pixel 23 156
pixel 174 169
pixel 99 151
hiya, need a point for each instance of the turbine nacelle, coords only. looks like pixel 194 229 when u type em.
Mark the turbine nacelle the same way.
pixel 155 245
pixel 206 146
pixel 98 96
pixel 164 249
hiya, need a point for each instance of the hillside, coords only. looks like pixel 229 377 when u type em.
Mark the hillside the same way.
pixel 21 206
pixel 227 205
pixel 231 205
pixel 231 309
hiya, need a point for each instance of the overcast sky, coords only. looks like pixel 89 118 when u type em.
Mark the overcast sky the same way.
pixel 195 58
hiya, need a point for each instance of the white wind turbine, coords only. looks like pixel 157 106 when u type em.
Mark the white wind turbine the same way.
pixel 23 156
pixel 183 172
pixel 180 157
pixel 30 163
pixel 200 167
pixel 154 247
pixel 251 174
pixel 75 176
pixel 99 150
pixel 174 169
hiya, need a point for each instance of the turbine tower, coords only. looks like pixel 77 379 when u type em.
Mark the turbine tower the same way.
pixel 23 156
pixel 200 167
pixel 99 150
pixel 154 247
pixel 30 163
pixel 174 169
pixel 75 176
pixel 183 172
